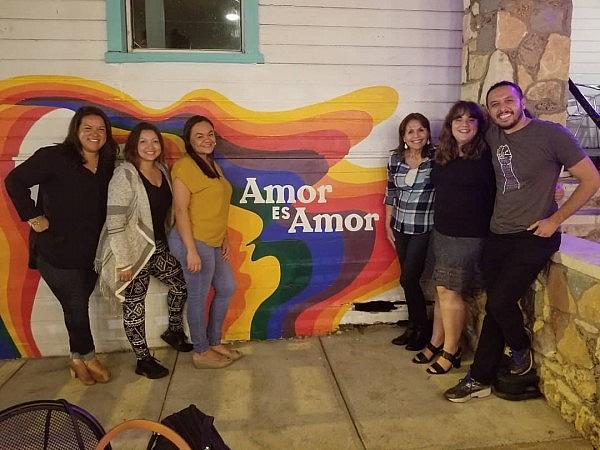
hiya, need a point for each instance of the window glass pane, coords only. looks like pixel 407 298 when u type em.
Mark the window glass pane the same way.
pixel 186 24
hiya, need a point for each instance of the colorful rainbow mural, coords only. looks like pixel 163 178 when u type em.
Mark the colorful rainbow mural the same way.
pixel 307 224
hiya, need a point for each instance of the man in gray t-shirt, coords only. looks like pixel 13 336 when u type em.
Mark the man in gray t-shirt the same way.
pixel 527 164
pixel 528 155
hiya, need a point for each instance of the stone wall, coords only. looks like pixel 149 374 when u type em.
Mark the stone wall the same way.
pixel 563 311
pixel 584 223
pixel 525 41
pixel 566 323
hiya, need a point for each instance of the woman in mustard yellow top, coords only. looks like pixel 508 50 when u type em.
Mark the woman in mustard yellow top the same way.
pixel 201 196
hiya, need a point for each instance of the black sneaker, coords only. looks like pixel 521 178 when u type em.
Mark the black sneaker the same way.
pixel 521 361
pixel 466 389
pixel 150 368
pixel 177 340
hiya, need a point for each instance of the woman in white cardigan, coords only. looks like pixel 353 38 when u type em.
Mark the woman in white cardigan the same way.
pixel 133 244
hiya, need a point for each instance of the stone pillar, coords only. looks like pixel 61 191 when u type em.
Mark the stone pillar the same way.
pixel 525 41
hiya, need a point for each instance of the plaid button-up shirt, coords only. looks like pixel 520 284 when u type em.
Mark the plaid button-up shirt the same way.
pixel 413 205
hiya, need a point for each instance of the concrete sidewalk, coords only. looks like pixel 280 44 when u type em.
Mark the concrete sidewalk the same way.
pixel 351 390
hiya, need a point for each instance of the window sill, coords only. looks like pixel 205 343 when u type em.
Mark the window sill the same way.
pixel 178 56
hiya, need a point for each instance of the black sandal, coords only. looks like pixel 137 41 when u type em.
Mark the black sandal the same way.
pixel 420 357
pixel 437 369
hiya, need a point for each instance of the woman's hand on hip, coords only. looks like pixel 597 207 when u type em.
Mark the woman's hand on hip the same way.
pixel 226 250
pixel 125 275
pixel 39 224
pixel 194 264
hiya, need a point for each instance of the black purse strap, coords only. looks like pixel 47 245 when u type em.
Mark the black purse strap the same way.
pixel 47 428
pixel 152 441
pixel 74 421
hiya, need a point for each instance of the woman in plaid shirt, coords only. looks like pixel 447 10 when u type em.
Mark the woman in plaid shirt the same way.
pixel 409 219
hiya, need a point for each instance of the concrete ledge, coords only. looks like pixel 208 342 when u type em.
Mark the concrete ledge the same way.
pixel 580 255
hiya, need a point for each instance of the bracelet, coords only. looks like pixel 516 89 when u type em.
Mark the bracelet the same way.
pixel 35 221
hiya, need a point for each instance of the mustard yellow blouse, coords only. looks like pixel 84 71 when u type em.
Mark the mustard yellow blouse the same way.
pixel 209 202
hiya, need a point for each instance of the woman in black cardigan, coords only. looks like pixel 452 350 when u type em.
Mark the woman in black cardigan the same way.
pixel 66 221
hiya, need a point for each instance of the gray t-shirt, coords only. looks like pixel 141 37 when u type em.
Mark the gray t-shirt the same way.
pixel 527 164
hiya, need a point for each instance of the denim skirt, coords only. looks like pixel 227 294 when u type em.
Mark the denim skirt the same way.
pixel 455 262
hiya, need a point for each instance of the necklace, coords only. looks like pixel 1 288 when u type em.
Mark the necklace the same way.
pixel 92 167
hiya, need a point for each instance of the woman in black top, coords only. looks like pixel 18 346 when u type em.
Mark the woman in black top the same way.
pixel 463 178
pixel 66 221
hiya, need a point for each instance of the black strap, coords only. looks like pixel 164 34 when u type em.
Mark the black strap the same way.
pixel 151 441
pixel 433 349
pixel 69 410
pixel 47 428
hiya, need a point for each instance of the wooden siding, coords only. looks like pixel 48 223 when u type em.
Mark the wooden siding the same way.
pixel 585 42
pixel 313 49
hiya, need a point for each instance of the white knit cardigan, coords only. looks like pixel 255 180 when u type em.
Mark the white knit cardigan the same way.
pixel 127 238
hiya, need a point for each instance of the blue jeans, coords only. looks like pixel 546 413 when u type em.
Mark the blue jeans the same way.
pixel 215 271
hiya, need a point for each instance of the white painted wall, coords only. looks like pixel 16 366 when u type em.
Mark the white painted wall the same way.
pixel 314 50
pixel 585 42
pixel 585 70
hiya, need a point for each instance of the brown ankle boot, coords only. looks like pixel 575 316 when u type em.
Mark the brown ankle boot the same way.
pixel 100 373
pixel 79 371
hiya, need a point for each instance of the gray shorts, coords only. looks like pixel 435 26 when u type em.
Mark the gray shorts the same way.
pixel 455 262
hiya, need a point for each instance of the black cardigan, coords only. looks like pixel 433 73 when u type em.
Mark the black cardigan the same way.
pixel 70 196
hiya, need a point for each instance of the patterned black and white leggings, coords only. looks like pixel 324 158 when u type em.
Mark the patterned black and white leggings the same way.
pixel 166 268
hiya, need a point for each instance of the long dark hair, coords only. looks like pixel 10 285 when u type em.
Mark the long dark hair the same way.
pixel 72 145
pixel 209 168
pixel 447 149
pixel 427 149
pixel 130 152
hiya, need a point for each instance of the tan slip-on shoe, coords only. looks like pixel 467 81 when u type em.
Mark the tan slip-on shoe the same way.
pixel 97 370
pixel 201 362
pixel 79 371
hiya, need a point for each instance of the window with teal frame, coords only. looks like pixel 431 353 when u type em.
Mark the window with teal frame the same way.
pixel 120 50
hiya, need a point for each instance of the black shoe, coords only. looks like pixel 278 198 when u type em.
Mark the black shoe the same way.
pixel 466 389
pixel 405 337
pixel 150 368
pixel 455 359
pixel 419 339
pixel 177 340
pixel 521 361
pixel 420 357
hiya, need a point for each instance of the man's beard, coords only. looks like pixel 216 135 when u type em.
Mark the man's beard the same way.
pixel 513 123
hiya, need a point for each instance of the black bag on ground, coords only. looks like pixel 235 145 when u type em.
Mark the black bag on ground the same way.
pixel 194 426
pixel 516 387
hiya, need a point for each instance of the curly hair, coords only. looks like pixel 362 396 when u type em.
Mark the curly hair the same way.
pixel 447 149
